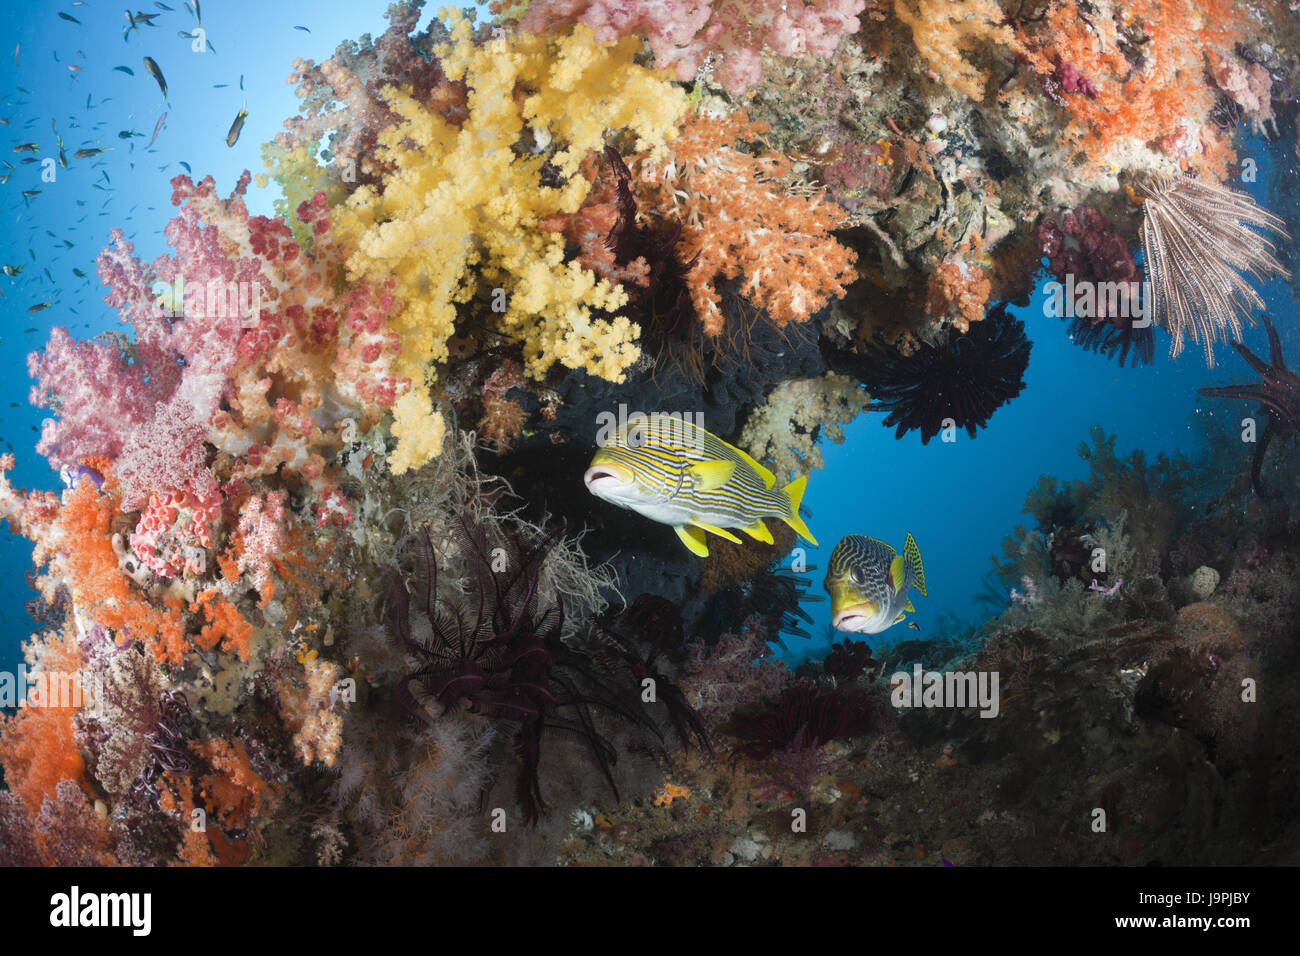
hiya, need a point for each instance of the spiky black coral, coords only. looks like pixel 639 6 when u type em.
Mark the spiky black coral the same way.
pixel 661 300
pixel 1199 238
pixel 634 643
pixel 498 652
pixel 965 377
pixel 1111 338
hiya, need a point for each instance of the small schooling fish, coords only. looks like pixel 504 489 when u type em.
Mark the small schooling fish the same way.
pixel 232 137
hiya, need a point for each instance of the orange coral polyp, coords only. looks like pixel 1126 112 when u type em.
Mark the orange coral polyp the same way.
pixel 739 220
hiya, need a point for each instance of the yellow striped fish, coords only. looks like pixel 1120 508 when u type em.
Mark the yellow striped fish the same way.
pixel 869 583
pixel 670 470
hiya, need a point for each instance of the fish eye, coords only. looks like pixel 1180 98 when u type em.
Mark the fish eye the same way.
pixel 858 576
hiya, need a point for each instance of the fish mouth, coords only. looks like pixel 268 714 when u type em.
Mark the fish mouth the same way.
pixel 853 620
pixel 600 477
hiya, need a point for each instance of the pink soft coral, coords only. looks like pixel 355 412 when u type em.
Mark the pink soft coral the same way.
pixel 175 533
pixel 101 398
pixel 263 536
pixel 249 350
pixel 683 33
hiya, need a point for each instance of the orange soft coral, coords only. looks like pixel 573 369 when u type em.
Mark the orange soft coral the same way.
pixel 948 32
pixel 307 709
pixel 1156 95
pixel 82 547
pixel 738 219
pixel 225 625
pixel 234 791
pixel 37 745
pixel 957 292
pixel 503 419
pixel 194 849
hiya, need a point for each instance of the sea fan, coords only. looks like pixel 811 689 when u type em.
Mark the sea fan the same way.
pixel 965 377
pixel 1198 242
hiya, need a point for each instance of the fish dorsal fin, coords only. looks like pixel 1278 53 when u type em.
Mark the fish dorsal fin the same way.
pixel 694 539
pixel 720 532
pixel 913 555
pixel 759 532
pixel 709 475
pixel 896 573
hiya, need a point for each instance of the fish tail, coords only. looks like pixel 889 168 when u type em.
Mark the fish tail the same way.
pixel 912 556
pixel 793 493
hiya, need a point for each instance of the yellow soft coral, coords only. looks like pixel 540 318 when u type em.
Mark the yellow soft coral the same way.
pixel 458 215
pixel 299 175
pixel 785 431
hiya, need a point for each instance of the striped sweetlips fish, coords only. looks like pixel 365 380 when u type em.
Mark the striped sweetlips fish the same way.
pixel 869 583
pixel 671 470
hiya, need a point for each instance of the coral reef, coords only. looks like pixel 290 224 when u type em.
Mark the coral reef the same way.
pixel 325 565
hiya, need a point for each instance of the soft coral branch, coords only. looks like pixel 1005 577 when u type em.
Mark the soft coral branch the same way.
pixel 738 221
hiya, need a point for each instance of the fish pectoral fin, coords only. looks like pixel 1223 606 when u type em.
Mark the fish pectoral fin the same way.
pixel 909 606
pixel 712 474
pixel 720 532
pixel 896 571
pixel 759 532
pixel 694 539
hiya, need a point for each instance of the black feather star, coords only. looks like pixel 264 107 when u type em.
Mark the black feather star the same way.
pixel 497 651
pixel 962 379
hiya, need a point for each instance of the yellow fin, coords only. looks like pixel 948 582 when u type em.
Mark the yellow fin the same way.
pixel 909 606
pixel 712 474
pixel 899 618
pixel 720 532
pixel 896 573
pixel 912 554
pixel 793 493
pixel 759 531
pixel 694 539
